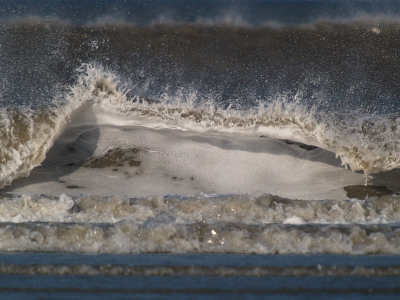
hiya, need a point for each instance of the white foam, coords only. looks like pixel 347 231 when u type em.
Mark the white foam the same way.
pixel 202 223
pixel 294 220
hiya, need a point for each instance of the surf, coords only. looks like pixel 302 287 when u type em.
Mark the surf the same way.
pixel 100 129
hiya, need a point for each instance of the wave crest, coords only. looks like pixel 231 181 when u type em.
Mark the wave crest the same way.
pixel 363 142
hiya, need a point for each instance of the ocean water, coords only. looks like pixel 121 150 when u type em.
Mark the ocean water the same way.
pixel 237 148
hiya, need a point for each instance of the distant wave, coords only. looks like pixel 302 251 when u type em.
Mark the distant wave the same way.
pixel 227 18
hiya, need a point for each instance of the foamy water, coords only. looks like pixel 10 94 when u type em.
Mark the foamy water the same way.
pixel 120 156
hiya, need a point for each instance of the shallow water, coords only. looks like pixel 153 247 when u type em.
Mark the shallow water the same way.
pixel 162 276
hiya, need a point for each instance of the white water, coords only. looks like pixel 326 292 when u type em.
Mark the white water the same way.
pixel 182 146
pixel 106 178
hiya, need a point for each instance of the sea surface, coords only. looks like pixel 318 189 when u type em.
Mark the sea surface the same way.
pixel 199 149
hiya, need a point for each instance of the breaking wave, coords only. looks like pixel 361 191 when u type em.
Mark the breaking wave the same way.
pixel 363 142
